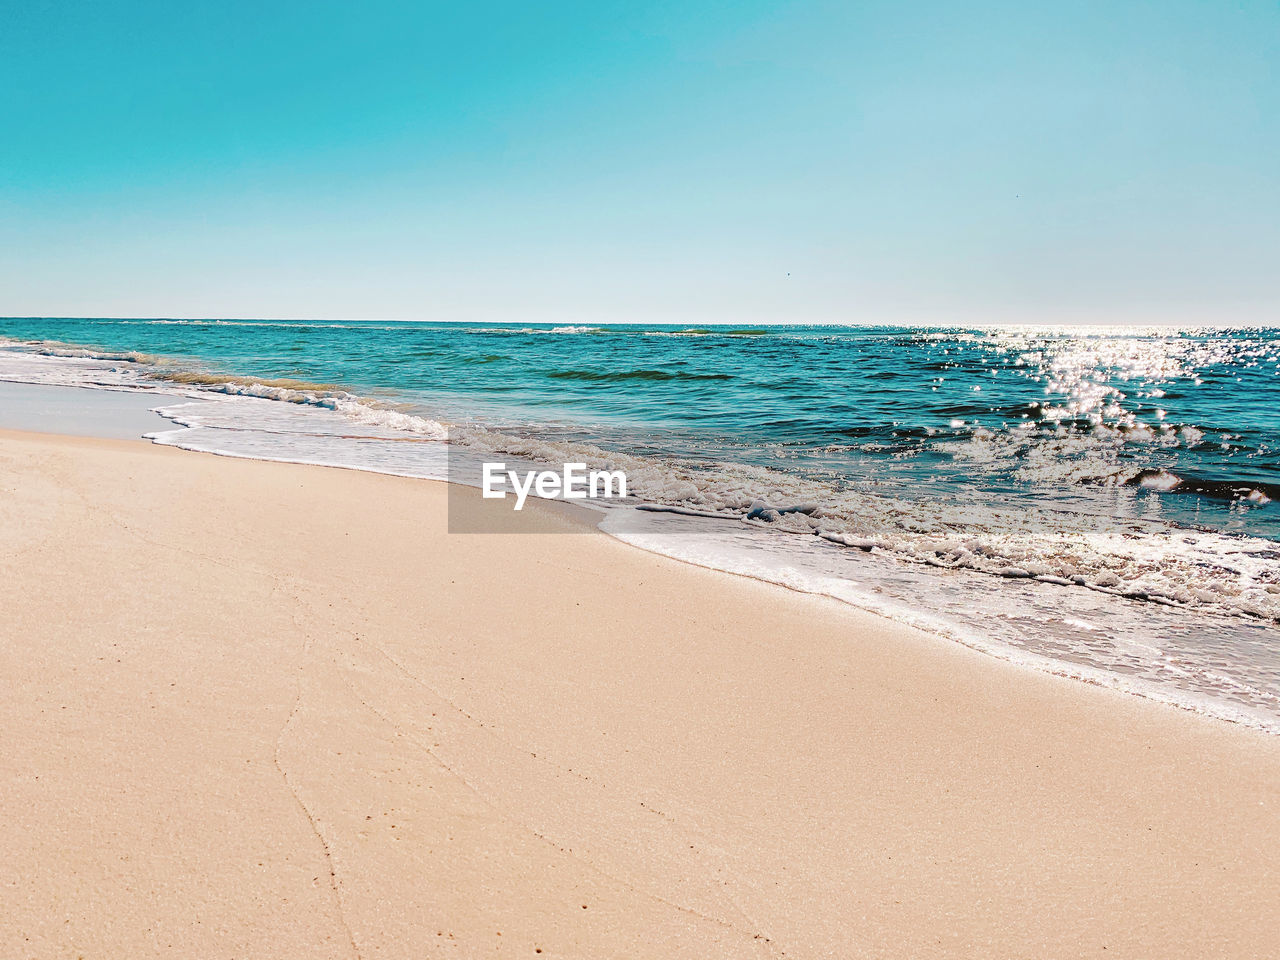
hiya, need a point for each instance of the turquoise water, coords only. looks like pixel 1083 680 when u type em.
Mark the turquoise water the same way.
pixel 1103 501
pixel 1190 420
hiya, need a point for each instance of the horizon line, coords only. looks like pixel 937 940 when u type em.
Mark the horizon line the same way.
pixel 582 326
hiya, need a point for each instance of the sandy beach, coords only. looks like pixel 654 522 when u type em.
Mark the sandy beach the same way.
pixel 263 710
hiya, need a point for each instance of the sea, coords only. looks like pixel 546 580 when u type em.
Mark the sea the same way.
pixel 1097 502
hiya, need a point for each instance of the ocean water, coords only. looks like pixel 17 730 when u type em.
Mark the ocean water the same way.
pixel 1100 502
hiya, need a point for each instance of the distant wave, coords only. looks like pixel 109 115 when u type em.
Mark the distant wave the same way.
pixel 556 330
pixel 603 375
pixel 631 330
pixel 690 332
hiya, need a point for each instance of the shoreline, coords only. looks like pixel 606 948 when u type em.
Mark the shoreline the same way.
pixel 120 423
pixel 295 716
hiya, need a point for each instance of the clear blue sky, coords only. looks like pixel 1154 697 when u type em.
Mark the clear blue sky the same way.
pixel 683 161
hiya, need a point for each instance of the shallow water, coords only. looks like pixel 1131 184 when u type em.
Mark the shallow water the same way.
pixel 1099 503
pixel 77 411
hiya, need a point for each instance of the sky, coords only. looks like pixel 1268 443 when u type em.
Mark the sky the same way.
pixel 690 162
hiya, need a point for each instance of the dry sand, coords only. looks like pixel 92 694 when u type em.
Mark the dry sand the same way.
pixel 257 710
